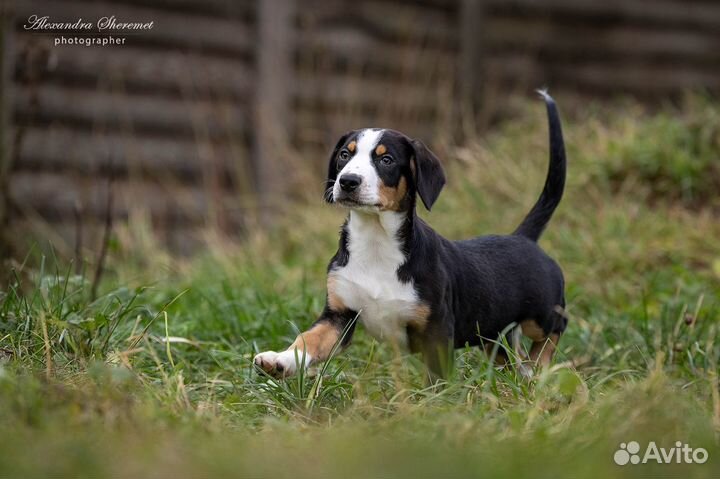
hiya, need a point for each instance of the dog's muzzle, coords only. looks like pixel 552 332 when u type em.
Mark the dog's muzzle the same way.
pixel 349 188
pixel 350 182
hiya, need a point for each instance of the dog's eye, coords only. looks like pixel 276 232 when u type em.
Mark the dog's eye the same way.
pixel 387 160
pixel 344 155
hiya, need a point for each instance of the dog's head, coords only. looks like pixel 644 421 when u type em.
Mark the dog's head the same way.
pixel 382 170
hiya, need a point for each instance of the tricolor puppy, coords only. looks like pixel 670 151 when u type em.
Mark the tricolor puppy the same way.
pixel 409 285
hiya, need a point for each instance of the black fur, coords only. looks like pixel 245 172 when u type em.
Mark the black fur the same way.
pixel 332 166
pixel 474 288
pixel 534 223
pixel 429 175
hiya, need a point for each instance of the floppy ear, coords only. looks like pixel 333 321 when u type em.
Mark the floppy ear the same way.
pixel 332 167
pixel 429 174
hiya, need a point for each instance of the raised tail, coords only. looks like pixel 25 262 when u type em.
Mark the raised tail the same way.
pixel 534 223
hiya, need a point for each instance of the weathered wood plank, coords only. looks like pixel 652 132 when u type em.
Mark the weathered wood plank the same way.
pixel 449 6
pixel 54 196
pixel 144 114
pixel 669 13
pixel 406 23
pixel 647 43
pixel 321 128
pixel 7 58
pixel 170 29
pixel 471 51
pixel 147 70
pixel 645 80
pixel 240 9
pixel 348 90
pixel 59 148
pixel 351 51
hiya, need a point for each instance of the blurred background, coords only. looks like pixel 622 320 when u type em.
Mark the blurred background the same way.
pixel 218 119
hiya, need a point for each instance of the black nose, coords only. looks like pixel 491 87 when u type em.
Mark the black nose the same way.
pixel 350 182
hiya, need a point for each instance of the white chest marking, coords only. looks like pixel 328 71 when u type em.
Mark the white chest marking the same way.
pixel 369 283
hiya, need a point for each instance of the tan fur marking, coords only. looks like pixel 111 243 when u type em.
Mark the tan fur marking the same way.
pixel 318 341
pixel 391 198
pixel 542 352
pixel 351 146
pixel 334 301
pixel 380 150
pixel 420 317
pixel 532 330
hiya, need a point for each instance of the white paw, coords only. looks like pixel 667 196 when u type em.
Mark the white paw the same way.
pixel 282 364
pixel 526 370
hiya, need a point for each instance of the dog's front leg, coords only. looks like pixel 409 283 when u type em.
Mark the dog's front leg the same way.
pixel 435 343
pixel 313 346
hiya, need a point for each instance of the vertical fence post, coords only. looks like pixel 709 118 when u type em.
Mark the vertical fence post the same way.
pixel 272 110
pixel 471 56
pixel 7 56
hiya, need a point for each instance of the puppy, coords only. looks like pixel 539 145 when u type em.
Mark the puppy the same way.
pixel 407 284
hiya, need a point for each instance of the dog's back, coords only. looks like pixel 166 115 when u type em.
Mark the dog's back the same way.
pixel 505 279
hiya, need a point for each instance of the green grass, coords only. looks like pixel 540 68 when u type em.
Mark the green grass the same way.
pixel 154 378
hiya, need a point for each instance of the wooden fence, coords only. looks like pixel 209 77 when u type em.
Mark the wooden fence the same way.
pixel 213 114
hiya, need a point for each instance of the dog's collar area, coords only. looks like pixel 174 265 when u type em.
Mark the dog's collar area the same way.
pixel 389 223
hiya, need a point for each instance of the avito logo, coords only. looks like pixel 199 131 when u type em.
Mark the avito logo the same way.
pixel 629 453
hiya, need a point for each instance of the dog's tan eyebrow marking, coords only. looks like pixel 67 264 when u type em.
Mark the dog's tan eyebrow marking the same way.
pixel 351 146
pixel 380 150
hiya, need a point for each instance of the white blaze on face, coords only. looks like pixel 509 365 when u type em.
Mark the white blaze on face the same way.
pixel 361 164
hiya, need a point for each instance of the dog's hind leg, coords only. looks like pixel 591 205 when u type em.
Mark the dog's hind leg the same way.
pixel 543 344
pixel 504 354
pixel 541 352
